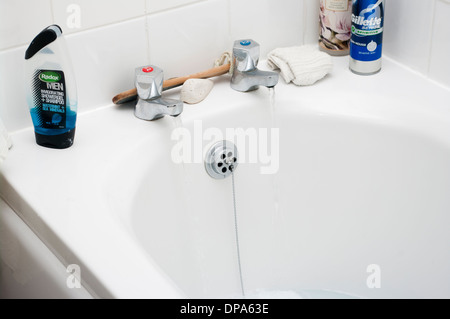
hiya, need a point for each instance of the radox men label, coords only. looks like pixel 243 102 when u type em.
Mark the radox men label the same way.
pixel 49 97
pixel 366 36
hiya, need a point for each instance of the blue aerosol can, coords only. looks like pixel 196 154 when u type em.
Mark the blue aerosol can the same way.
pixel 366 41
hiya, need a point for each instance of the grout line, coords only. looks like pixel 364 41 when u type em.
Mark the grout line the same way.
pixel 52 12
pixel 147 33
pixel 108 24
pixel 144 15
pixel 176 7
pixel 305 22
pixel 27 43
pixel 69 34
pixel 431 36
pixel 416 72
pixel 14 47
pixel 230 29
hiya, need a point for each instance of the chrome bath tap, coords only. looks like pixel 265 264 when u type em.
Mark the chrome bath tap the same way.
pixel 150 106
pixel 246 77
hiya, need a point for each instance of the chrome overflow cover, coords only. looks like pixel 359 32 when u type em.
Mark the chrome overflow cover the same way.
pixel 221 160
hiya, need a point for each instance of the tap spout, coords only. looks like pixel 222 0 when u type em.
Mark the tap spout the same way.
pixel 251 80
pixel 157 108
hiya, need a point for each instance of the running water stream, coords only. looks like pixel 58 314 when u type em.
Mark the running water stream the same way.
pixel 236 231
pixel 274 126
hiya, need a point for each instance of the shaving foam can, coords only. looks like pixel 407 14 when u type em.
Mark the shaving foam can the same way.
pixel 366 41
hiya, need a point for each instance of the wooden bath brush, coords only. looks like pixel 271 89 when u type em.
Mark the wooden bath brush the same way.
pixel 131 95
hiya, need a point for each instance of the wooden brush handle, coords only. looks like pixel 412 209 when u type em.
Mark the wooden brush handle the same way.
pixel 174 82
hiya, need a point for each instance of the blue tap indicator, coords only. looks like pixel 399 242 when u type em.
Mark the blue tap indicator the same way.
pixel 245 43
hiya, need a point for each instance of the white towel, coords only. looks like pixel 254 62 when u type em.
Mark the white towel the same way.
pixel 302 65
pixel 5 142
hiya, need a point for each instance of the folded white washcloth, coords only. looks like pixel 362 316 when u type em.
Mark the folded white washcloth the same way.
pixel 302 65
pixel 5 141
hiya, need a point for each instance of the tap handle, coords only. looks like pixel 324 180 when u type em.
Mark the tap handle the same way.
pixel 245 55
pixel 149 82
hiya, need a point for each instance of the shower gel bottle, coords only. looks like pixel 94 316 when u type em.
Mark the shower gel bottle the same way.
pixel 51 89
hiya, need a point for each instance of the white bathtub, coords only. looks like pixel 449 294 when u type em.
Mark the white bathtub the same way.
pixel 359 205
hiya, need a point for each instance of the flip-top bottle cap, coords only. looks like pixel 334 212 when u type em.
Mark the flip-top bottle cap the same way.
pixel 44 38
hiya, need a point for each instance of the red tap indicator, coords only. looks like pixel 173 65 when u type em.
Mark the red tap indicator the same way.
pixel 147 69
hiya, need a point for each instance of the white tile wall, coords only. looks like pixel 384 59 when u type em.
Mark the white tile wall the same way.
pixel 188 39
pixel 20 20
pixel 185 36
pixel 104 60
pixel 407 32
pixel 270 23
pixel 13 106
pixel 440 49
pixel 94 13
